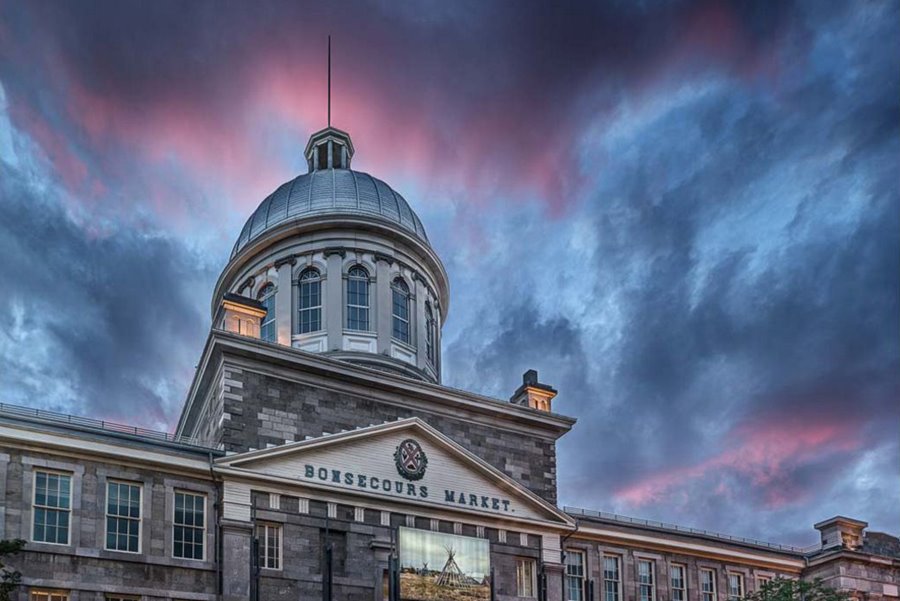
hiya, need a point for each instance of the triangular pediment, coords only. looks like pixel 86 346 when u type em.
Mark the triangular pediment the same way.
pixel 402 461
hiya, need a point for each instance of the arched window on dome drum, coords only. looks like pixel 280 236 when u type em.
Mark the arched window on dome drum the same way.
pixel 429 333
pixel 358 299
pixel 310 301
pixel 267 329
pixel 400 312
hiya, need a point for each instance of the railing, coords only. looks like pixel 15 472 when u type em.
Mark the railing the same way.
pixel 96 424
pixel 577 511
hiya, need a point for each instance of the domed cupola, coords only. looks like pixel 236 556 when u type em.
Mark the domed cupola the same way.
pixel 335 261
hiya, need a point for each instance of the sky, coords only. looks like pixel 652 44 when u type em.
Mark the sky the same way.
pixel 683 214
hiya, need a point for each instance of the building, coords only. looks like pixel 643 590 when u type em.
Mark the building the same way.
pixel 318 456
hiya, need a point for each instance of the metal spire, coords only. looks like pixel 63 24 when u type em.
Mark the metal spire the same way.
pixel 329 80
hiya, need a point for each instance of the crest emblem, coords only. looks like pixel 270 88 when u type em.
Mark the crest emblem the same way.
pixel 410 459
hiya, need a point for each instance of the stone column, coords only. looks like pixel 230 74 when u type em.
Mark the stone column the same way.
pixel 237 544
pixel 283 302
pixel 334 299
pixel 382 318
pixel 554 574
pixel 421 332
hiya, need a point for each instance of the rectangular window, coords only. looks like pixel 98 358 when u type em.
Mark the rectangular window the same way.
pixel 611 578
pixel 189 526
pixel 310 302
pixel 574 576
pixel 645 580
pixel 707 585
pixel 52 507
pixel 123 517
pixel 735 587
pixel 525 578
pixel 358 302
pixel 45 595
pixel 679 583
pixel 269 536
pixel 761 581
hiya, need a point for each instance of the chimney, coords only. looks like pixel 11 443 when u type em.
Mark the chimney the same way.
pixel 532 393
pixel 841 531
pixel 240 315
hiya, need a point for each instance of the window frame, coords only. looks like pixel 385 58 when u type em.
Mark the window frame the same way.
pixel 712 593
pixel 263 546
pixel 359 308
pixel 580 578
pixel 651 584
pixel 684 583
pixel 521 583
pixel 139 519
pixel 399 288
pixel 303 281
pixel 269 319
pixel 762 580
pixel 47 594
pixel 203 529
pixel 46 508
pixel 742 585
pixel 618 579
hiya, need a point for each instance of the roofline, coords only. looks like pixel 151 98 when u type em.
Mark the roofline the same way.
pixel 111 432
pixel 839 519
pixel 620 520
pixel 341 373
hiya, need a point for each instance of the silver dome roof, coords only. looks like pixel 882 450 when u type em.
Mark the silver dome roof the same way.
pixel 330 192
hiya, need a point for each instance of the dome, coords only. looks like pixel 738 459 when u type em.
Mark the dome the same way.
pixel 330 192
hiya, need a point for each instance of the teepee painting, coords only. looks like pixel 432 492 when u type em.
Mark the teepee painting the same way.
pixel 443 567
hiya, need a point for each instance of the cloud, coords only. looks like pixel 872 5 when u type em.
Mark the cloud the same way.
pixel 682 214
pixel 106 326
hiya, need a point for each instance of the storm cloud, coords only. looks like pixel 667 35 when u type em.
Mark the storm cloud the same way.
pixel 684 215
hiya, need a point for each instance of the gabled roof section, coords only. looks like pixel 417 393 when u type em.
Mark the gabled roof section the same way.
pixel 365 462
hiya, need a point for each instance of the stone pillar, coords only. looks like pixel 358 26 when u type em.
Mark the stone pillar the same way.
pixel 420 335
pixel 237 543
pixel 554 572
pixel 334 299
pixel 283 302
pixel 382 318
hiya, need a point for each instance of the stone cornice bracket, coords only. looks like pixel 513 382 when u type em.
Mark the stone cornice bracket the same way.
pixel 289 260
pixel 335 250
pixel 383 257
pixel 247 283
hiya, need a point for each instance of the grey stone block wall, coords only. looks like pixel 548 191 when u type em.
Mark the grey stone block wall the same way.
pixel 85 567
pixel 272 411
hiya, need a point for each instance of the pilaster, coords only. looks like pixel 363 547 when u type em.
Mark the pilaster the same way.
pixel 283 306
pixel 383 305
pixel 334 287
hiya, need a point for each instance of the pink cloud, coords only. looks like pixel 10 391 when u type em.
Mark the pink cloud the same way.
pixel 763 453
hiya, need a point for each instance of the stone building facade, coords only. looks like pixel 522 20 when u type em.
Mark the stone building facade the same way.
pixel 317 450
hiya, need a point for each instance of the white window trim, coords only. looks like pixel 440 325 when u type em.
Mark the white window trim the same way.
pixel 205 519
pixel 264 548
pixel 637 579
pixel 684 580
pixel 47 593
pixel 603 579
pixel 584 571
pixel 533 564
pixel 714 592
pixel 35 506
pixel 743 585
pixel 140 519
